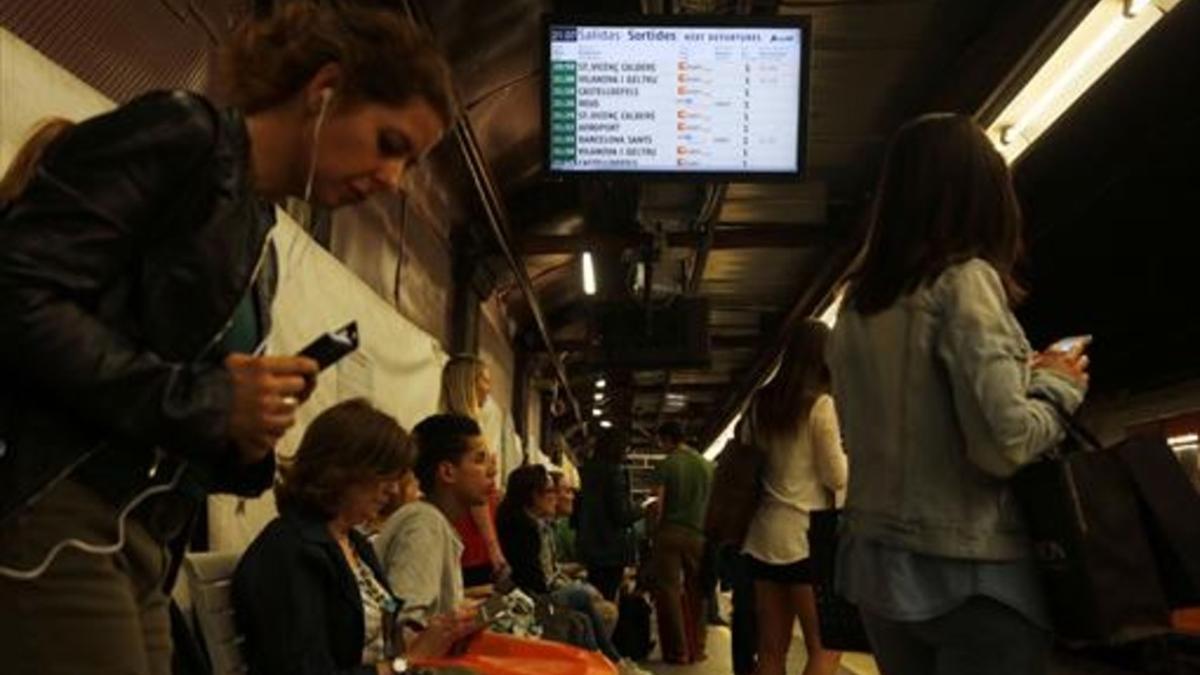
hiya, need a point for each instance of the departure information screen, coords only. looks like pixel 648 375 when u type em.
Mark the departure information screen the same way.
pixel 675 99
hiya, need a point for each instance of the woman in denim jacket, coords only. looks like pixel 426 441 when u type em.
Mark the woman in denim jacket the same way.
pixel 941 400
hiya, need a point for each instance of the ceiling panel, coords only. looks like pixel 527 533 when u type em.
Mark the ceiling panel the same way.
pixel 124 48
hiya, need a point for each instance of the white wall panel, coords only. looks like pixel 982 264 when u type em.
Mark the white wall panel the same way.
pixel 33 87
pixel 398 365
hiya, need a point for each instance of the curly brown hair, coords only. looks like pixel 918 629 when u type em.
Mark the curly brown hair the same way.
pixel 351 443
pixel 384 58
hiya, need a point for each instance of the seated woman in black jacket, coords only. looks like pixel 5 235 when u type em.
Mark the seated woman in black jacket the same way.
pixel 528 543
pixel 309 594
pixel 530 494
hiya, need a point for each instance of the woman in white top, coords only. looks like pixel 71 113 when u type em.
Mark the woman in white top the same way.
pixel 793 421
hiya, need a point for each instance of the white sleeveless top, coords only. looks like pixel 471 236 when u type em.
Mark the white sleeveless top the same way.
pixel 799 473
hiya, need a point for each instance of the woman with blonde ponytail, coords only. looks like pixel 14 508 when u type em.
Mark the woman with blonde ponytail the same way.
pixel 466 385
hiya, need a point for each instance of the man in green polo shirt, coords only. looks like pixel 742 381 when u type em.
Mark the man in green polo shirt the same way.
pixel 683 481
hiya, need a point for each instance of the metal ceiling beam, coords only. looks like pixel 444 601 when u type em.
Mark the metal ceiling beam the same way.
pixel 692 411
pixel 726 236
pixel 676 388
pixel 642 390
pixel 717 342
pixel 706 227
pixel 497 217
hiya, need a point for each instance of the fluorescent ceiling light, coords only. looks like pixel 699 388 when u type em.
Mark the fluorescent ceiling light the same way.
pixel 719 444
pixel 589 274
pixel 1184 439
pixel 1106 33
pixel 829 316
pixel 1135 7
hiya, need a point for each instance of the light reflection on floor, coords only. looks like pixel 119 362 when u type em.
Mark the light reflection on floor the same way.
pixel 719 663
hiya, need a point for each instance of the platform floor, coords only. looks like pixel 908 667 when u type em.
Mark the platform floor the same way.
pixel 719 663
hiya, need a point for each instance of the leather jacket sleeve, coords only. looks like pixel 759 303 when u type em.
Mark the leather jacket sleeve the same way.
pixel 96 200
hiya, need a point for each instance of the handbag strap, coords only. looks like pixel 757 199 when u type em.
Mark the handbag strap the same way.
pixel 749 435
pixel 1081 435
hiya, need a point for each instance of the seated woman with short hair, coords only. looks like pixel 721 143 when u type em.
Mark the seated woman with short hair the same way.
pixel 309 594
pixel 528 542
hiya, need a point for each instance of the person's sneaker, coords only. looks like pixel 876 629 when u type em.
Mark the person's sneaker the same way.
pixel 629 667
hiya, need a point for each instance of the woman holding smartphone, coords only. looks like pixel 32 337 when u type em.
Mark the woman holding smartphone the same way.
pixel 942 400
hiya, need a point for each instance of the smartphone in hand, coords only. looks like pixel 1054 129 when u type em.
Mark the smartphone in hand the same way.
pixel 1071 346
pixel 331 347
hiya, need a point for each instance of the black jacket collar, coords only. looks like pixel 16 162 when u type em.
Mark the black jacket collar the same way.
pixel 314 530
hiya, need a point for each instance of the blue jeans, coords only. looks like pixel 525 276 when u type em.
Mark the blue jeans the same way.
pixel 979 637
pixel 577 597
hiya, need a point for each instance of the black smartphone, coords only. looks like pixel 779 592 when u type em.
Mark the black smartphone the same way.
pixel 329 348
pixel 494 609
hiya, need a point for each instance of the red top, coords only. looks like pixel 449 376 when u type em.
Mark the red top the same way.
pixel 475 550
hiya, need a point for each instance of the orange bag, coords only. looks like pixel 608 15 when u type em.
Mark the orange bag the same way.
pixel 497 654
pixel 1186 620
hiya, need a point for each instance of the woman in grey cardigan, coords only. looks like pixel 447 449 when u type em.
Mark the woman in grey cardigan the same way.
pixel 941 400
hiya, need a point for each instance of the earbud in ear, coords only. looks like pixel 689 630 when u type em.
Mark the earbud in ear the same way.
pixel 326 96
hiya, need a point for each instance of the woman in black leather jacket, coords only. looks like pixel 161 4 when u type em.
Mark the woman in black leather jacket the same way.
pixel 136 279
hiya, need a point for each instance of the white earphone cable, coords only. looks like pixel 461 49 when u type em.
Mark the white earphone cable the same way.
pixel 326 96
pixel 290 260
pixel 97 549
